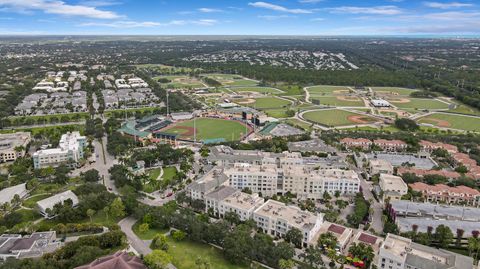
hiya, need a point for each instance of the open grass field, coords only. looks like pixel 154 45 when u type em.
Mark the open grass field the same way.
pixel 32 202
pixel 167 69
pixel 231 80
pixel 181 82
pixel 418 103
pixel 337 117
pixel 328 90
pixel 257 89
pixel 454 121
pixel 154 173
pixel 264 103
pixel 298 123
pixel 208 128
pixel 393 91
pixel 169 172
pixel 339 101
pixel 185 253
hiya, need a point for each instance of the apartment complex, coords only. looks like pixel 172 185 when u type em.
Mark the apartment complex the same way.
pixel 276 218
pixel 431 146
pixel 445 194
pixel 305 181
pixel 70 151
pixel 14 145
pixel 227 199
pixel 398 252
pixel 213 179
pixel 380 166
pixel 393 187
pixel 362 143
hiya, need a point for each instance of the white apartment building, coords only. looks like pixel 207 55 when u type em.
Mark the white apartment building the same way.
pixel 227 199
pixel 380 166
pixel 206 184
pixel 70 151
pixel 276 218
pixel 302 180
pixel 14 145
pixel 398 252
pixel 393 187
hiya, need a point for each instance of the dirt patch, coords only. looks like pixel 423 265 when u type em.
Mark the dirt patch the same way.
pixel 360 119
pixel 399 100
pixel 383 93
pixel 246 101
pixel 340 92
pixel 439 123
pixel 348 98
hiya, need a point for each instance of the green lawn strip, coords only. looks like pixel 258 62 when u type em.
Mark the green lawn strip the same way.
pixel 148 235
pixel 257 89
pixel 99 218
pixel 46 129
pixel 334 101
pixel 169 172
pixel 29 215
pixel 154 173
pixel 32 202
pixel 277 113
pixel 460 122
pixel 185 253
pixel 326 89
pixel 333 117
pixel 298 123
pixel 208 128
pixel 417 103
pixel 267 103
pixel 77 115
pixel 393 91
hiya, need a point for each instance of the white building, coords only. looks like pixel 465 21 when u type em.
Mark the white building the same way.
pixel 14 145
pixel 276 218
pixel 398 252
pixel 48 203
pixel 393 187
pixel 380 166
pixel 227 199
pixel 70 151
pixel 380 103
pixel 7 194
pixel 206 184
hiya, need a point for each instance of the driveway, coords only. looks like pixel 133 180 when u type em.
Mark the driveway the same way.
pixel 138 244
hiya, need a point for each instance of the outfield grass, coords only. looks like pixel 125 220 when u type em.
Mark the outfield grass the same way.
pixel 257 89
pixel 328 90
pixel 455 121
pixel 185 253
pixel 334 101
pixel 208 128
pixel 394 90
pixel 268 103
pixel 334 117
pixel 231 80
pixel 417 103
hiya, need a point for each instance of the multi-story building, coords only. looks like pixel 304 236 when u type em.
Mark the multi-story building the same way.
pixel 70 151
pixel 362 143
pixel 14 145
pixel 393 187
pixel 213 179
pixel 380 166
pixel 398 252
pixel 302 180
pixel 431 146
pixel 276 218
pixel 390 145
pixel 227 199
pixel 446 194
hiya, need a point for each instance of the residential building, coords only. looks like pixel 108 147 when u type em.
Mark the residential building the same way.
pixel 445 194
pixel 368 239
pixel 316 145
pixel 399 252
pixel 213 179
pixel 362 143
pixel 119 260
pixel 276 218
pixel 380 166
pixel 70 151
pixel 390 145
pixel 227 199
pixel 431 146
pixel 14 145
pixel 47 204
pixel 7 194
pixel 393 187
pixel 424 172
pixel 30 246
pixel 342 233
pixel 420 160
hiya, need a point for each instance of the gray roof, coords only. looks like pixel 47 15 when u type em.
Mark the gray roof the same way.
pixel 311 145
pixel 439 211
pixel 454 261
pixel 221 193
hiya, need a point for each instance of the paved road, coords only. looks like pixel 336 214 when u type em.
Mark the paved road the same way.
pixel 138 244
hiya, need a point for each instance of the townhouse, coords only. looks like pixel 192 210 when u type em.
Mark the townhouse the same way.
pixel 445 194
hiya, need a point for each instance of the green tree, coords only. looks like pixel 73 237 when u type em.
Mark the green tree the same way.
pixel 294 236
pixel 90 213
pixel 443 235
pixel 117 208
pixel 312 256
pixel 327 241
pixel 363 252
pixel 286 264
pixel 160 242
pixel 144 227
pixel 178 235
pixel 157 259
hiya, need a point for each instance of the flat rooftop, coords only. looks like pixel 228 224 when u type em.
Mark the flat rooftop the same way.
pixel 243 200
pixel 399 159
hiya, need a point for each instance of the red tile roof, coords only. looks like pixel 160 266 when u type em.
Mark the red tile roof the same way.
pixel 119 260
pixel 366 238
pixel 336 229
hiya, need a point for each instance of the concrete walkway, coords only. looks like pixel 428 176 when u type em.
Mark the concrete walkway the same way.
pixel 140 246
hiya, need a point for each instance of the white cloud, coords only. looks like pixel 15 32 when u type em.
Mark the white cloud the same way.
pixel 148 24
pixel 310 1
pixel 275 17
pixel 317 19
pixel 279 8
pixel 377 10
pixel 99 3
pixel 209 10
pixel 446 5
pixel 58 8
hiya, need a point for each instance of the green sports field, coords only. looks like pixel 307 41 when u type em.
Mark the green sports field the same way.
pixel 337 117
pixel 393 91
pixel 265 103
pixel 231 80
pixel 181 82
pixel 454 121
pixel 417 103
pixel 335 101
pixel 208 128
pixel 257 89
pixel 328 90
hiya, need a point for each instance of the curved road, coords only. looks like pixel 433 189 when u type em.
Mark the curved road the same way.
pixel 138 244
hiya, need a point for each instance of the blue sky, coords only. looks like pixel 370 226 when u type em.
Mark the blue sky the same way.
pixel 229 17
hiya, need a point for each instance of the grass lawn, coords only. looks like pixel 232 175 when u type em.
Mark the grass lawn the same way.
pixel 277 113
pixel 32 202
pixel 154 173
pixel 417 103
pixel 231 80
pixel 256 89
pixel 334 101
pixel 328 90
pixel 48 188
pixel 268 103
pixel 185 253
pixel 393 91
pixel 29 215
pixel 48 129
pixel 148 235
pixel 454 121
pixel 334 117
pixel 208 128
pixel 99 218
pixel 169 172
pixel 181 82
pixel 298 123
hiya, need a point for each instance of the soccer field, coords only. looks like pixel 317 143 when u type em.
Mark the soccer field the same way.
pixel 208 128
pixel 337 117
